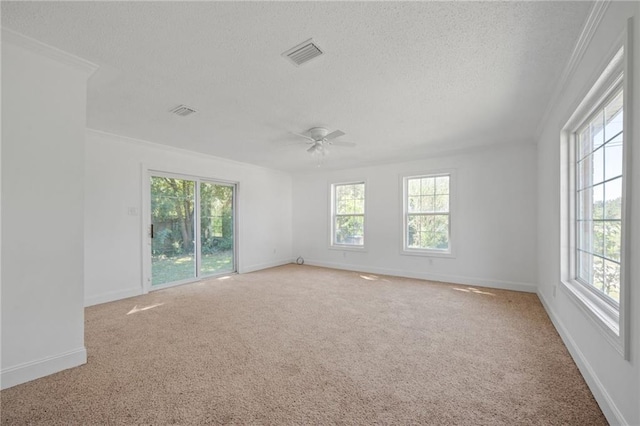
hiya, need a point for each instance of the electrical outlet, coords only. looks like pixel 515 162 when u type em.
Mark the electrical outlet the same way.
pixel 554 291
pixel 132 211
pixel 344 254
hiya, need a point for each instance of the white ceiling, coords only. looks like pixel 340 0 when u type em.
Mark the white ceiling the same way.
pixel 402 80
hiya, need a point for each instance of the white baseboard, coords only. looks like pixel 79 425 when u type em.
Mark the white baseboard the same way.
pixel 257 267
pixel 608 407
pixel 453 279
pixel 112 296
pixel 32 370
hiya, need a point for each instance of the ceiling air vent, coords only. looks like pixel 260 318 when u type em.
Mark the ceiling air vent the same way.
pixel 183 110
pixel 303 53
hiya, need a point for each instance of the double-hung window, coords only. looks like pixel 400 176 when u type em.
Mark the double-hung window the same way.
pixel 598 192
pixel 594 232
pixel 347 215
pixel 427 214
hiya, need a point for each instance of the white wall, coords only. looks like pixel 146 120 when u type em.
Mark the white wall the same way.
pixel 494 219
pixel 43 121
pixel 114 239
pixel 614 381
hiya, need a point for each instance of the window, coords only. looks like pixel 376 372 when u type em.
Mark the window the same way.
pixel 427 216
pixel 347 215
pixel 594 158
pixel 598 191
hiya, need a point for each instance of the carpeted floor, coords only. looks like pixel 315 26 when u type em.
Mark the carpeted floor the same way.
pixel 306 345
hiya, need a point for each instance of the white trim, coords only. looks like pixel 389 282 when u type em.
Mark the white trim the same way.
pixel 32 370
pixel 197 230
pixel 188 281
pixel 627 172
pixel 596 14
pixel 266 265
pixel 236 226
pixel 145 219
pixel 599 90
pixel 133 292
pixel 429 151
pixel 147 144
pixel 35 46
pixel 354 248
pixel 427 252
pixel 605 320
pixel 604 400
pixel 444 278
pixel 112 296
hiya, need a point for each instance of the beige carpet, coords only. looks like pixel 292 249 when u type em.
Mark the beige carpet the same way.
pixel 306 345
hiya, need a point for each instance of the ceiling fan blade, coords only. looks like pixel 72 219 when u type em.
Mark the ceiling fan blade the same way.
pixel 334 134
pixel 312 149
pixel 303 136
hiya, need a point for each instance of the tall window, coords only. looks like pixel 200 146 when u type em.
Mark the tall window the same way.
pixel 598 191
pixel 347 214
pixel 594 156
pixel 427 216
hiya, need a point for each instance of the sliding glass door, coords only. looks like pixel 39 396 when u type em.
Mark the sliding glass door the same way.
pixel 192 229
pixel 216 228
pixel 173 254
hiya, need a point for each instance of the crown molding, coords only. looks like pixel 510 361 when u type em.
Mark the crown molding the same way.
pixel 108 136
pixel 588 30
pixel 35 46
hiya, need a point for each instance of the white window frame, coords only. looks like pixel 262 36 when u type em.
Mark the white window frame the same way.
pixel 405 250
pixel 333 214
pixel 611 318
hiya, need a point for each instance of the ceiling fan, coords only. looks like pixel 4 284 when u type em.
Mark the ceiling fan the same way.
pixel 320 140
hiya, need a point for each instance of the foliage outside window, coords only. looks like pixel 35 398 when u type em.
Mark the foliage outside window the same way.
pixel 348 209
pixel 172 207
pixel 216 217
pixel 599 183
pixel 427 216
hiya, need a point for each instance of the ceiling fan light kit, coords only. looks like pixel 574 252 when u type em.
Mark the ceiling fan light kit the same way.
pixel 320 140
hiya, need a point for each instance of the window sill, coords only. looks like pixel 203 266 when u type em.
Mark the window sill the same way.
pixel 427 253
pixel 599 312
pixel 345 247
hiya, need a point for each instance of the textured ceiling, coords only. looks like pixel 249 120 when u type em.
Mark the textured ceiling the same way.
pixel 402 80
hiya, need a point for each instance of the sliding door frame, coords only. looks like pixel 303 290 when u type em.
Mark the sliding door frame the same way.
pixel 234 205
pixel 147 173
